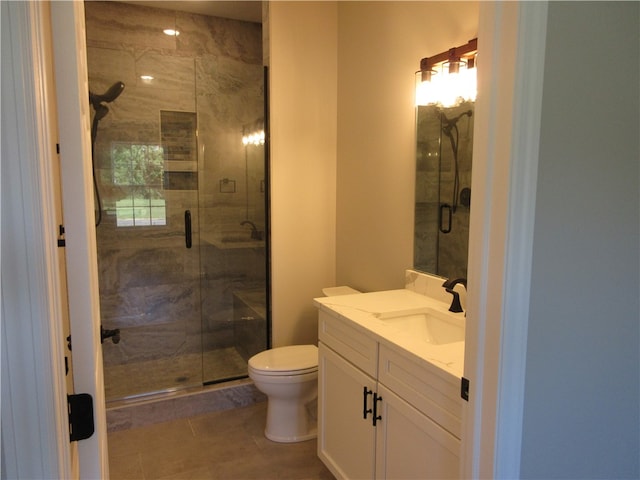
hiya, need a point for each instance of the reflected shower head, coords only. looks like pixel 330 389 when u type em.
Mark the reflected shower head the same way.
pixel 109 96
pixel 449 124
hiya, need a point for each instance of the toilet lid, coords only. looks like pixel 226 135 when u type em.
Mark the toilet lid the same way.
pixel 282 360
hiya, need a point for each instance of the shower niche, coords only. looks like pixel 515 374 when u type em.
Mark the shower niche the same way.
pixel 175 251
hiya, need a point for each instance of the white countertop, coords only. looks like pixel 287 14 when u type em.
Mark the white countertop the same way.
pixel 368 311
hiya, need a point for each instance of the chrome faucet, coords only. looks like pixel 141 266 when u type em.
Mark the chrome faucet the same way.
pixel 455 301
pixel 255 233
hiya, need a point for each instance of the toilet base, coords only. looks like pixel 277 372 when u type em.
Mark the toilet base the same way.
pixel 301 438
pixel 289 422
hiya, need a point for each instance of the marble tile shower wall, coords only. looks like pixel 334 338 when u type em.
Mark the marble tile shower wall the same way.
pixel 149 282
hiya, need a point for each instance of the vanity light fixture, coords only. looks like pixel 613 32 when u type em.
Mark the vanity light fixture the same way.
pixel 448 78
pixel 171 32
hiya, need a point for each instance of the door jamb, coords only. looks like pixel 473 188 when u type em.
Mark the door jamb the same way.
pixel 511 40
pixel 70 54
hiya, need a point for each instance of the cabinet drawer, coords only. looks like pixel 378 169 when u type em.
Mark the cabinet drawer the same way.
pixel 427 391
pixel 348 341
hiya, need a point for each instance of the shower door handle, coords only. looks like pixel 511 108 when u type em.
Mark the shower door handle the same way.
pixel 443 207
pixel 187 228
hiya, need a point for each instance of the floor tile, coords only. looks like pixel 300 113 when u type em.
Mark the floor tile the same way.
pixel 227 445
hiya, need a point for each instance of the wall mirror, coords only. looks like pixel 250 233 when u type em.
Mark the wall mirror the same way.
pixel 444 144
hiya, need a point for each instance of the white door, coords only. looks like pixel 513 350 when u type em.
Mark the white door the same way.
pixel 346 439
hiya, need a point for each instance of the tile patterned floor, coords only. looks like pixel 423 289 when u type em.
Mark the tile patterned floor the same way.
pixel 226 445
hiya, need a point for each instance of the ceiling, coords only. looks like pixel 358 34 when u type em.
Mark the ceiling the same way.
pixel 249 11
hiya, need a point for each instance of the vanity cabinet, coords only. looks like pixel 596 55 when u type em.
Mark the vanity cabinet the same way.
pixel 410 445
pixel 380 413
pixel 346 441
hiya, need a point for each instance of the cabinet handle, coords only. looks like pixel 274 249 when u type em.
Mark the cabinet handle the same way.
pixel 376 417
pixel 366 392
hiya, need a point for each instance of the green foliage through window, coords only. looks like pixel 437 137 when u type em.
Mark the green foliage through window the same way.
pixel 139 169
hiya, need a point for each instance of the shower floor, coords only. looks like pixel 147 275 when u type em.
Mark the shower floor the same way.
pixel 151 376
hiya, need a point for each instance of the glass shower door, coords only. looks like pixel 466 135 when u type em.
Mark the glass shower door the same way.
pixel 148 252
pixel 145 156
pixel 233 218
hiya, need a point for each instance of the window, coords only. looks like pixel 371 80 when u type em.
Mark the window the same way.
pixel 139 169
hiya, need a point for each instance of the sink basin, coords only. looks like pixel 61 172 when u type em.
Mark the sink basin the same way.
pixel 429 326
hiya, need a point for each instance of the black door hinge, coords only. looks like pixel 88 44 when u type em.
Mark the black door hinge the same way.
pixel 464 389
pixel 61 242
pixel 80 409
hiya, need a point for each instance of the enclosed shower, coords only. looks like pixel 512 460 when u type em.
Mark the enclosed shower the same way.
pixel 180 195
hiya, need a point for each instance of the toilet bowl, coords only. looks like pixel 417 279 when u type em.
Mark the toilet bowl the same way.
pixel 288 376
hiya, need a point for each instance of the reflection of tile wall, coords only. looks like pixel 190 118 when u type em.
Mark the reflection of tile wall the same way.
pixel 149 281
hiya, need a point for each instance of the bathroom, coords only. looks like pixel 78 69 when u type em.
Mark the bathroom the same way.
pixel 145 340
pixel 371 168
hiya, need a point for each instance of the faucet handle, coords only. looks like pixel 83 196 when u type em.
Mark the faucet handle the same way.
pixel 450 283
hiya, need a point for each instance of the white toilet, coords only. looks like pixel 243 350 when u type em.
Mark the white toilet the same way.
pixel 288 376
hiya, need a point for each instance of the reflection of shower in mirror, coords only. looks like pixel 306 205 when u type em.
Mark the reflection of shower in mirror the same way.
pixel 443 188
pixel 450 129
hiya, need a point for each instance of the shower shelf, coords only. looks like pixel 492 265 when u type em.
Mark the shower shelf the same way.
pixel 230 240
pixel 227 186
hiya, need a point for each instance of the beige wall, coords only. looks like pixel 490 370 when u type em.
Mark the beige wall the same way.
pixel 303 73
pixel 342 153
pixel 380 45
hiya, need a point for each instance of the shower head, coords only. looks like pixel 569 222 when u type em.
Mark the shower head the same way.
pixel 109 96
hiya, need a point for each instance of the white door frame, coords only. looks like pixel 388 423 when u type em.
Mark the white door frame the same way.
pixel 70 53
pixel 35 430
pixel 511 51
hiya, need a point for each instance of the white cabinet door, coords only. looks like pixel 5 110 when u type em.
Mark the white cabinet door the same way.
pixel 409 445
pixel 346 440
